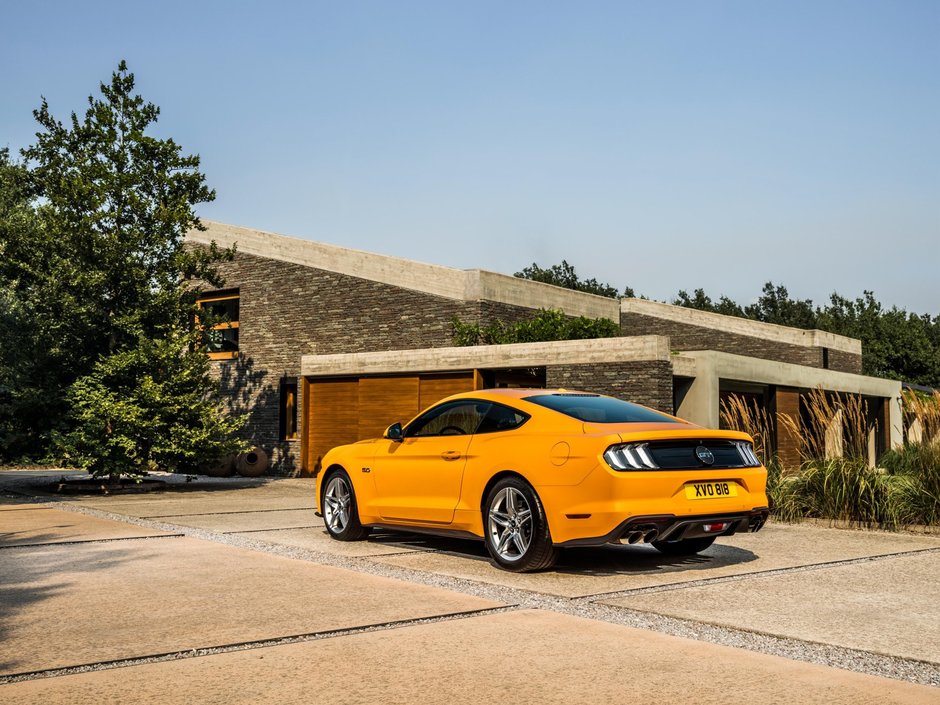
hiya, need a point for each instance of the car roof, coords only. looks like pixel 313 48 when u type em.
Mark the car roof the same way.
pixel 520 392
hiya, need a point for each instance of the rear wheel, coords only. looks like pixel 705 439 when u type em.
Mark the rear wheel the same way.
pixel 340 513
pixel 517 535
pixel 686 547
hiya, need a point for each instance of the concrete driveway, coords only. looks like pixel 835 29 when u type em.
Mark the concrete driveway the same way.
pixel 224 594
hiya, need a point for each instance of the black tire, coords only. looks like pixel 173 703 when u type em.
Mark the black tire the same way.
pixel 340 511
pixel 515 528
pixel 686 547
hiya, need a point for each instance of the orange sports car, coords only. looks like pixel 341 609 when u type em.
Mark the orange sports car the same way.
pixel 532 470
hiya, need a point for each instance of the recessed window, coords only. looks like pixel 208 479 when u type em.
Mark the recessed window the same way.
pixel 288 409
pixel 219 316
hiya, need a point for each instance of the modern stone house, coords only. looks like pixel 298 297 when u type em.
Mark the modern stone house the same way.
pixel 326 345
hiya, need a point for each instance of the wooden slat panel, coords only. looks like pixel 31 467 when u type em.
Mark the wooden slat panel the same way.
pixel 385 400
pixel 788 445
pixel 433 388
pixel 332 417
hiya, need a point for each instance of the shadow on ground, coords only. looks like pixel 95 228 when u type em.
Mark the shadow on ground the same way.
pixel 594 561
pixel 30 575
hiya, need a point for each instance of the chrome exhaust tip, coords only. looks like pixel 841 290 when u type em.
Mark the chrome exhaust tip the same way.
pixel 650 535
pixel 635 537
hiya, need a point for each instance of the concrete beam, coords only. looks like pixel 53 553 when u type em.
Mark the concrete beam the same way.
pixel 709 367
pixel 563 352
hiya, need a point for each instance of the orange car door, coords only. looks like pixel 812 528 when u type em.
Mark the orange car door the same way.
pixel 419 478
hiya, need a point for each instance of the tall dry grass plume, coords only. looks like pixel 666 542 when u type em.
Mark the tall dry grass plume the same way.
pixel 923 412
pixel 740 414
pixel 831 424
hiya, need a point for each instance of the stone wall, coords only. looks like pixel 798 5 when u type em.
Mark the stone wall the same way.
pixel 845 362
pixel 288 310
pixel 491 311
pixel 647 382
pixel 691 337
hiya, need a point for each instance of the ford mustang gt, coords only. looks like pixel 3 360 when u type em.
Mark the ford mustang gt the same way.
pixel 532 470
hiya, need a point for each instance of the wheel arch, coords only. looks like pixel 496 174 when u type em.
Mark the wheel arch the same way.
pixel 501 475
pixel 324 475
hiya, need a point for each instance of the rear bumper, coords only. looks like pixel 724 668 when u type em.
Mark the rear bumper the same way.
pixel 668 527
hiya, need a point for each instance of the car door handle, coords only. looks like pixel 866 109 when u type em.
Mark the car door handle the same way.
pixel 450 455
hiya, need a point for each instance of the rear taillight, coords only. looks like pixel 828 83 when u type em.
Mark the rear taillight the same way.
pixel 630 456
pixel 748 456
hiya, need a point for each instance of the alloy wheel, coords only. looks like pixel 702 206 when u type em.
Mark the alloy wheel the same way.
pixel 337 501
pixel 510 524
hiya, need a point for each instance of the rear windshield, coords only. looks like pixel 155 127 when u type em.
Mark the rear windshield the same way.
pixel 597 409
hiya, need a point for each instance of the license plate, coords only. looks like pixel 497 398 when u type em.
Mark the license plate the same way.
pixel 710 490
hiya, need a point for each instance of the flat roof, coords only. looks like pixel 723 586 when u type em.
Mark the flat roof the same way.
pixel 437 280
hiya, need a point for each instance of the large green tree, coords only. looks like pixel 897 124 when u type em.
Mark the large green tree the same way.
pixel 94 264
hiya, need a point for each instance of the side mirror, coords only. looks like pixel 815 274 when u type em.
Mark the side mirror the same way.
pixel 394 433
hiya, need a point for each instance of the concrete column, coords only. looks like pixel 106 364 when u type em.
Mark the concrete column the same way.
pixel 895 422
pixel 834 436
pixel 787 404
pixel 700 403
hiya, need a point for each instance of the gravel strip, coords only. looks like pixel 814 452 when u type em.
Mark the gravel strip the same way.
pixel 910 670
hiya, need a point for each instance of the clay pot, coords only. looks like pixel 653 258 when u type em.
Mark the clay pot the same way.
pixel 252 464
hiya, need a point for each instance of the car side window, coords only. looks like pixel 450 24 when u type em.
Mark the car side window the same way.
pixel 502 418
pixel 457 418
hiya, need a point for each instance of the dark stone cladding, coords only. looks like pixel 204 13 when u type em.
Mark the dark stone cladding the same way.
pixel 845 362
pixel 689 337
pixel 490 312
pixel 644 382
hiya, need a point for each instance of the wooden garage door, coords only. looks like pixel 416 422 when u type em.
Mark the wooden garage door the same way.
pixel 346 410
pixel 332 417
pixel 385 400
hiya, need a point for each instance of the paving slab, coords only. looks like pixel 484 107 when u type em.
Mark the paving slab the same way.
pixel 28 525
pixel 890 606
pixel 521 657
pixel 251 521
pixel 67 605
pixel 181 504
pixel 15 503
pixel 316 539
pixel 594 571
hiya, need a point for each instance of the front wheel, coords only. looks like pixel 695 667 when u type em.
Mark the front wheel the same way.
pixel 340 513
pixel 517 535
pixel 685 547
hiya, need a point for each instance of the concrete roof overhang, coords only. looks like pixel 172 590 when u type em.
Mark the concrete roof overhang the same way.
pixel 707 368
pixel 721 365
pixel 644 348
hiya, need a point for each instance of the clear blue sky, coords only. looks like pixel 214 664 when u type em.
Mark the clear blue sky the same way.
pixel 663 145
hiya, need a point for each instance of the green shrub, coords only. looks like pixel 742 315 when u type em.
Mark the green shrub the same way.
pixel 151 407
pixel 839 488
pixel 547 324
pixel 916 470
